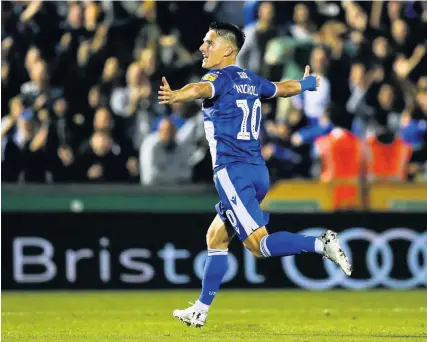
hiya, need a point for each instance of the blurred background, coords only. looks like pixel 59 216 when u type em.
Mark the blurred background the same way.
pixel 91 162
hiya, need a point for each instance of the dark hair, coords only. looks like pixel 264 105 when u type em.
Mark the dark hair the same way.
pixel 229 31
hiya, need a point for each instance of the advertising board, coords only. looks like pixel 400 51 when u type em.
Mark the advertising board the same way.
pixel 141 250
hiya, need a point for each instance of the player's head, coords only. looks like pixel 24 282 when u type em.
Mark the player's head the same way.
pixel 221 45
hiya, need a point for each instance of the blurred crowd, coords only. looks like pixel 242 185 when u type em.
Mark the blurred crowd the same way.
pixel 80 81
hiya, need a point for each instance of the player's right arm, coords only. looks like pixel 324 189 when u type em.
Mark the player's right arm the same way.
pixel 188 93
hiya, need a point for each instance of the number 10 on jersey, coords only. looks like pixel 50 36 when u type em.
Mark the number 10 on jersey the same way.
pixel 244 134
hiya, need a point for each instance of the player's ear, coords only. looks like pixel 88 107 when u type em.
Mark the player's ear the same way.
pixel 228 51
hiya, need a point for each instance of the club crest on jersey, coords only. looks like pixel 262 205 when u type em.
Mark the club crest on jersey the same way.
pixel 210 77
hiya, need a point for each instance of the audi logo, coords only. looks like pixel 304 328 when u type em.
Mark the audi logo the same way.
pixel 378 244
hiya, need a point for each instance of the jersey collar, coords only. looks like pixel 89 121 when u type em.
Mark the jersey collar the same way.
pixel 231 65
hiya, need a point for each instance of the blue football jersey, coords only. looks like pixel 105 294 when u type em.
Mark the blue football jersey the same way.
pixel 232 116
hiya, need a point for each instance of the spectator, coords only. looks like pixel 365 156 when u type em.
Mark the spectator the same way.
pixel 176 116
pixel 413 131
pixel 39 91
pixel 250 8
pixel 31 58
pixel 10 85
pixel 23 154
pixel 150 32
pixel 388 155
pixel 192 133
pixel 257 36
pixel 315 105
pixel 91 15
pixel 284 159
pixel 110 76
pixel 8 121
pixel 172 55
pixel 382 54
pixel 163 159
pixel 66 62
pixel 151 70
pixel 341 155
pixel 231 11
pixel 133 100
pixel 95 98
pixel 302 28
pixel 101 160
pixel 103 122
pixel 394 10
pixel 387 110
pixel 74 24
pixel 360 83
pixel 410 51
pixel 61 127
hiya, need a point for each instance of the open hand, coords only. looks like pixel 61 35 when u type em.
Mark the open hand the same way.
pixel 166 95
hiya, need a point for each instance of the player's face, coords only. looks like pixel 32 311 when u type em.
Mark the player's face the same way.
pixel 213 50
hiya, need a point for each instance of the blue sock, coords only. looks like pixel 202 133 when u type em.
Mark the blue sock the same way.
pixel 215 270
pixel 285 243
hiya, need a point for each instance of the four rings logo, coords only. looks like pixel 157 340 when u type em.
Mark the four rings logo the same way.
pixel 380 273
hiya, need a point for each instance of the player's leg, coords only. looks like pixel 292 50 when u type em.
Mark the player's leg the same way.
pixel 261 244
pixel 283 243
pixel 218 238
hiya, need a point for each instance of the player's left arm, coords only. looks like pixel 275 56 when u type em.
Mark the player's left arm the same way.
pixel 294 87
pixel 190 92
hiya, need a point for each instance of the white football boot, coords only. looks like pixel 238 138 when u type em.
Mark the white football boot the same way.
pixel 333 251
pixel 191 316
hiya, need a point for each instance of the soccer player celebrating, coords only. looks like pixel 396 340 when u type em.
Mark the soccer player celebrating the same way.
pixel 232 118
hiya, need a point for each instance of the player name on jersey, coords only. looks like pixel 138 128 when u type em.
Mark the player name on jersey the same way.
pixel 246 89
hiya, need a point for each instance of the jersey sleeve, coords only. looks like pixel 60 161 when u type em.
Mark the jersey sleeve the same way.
pixel 218 80
pixel 268 88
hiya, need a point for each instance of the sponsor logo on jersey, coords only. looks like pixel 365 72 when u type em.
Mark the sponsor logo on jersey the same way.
pixel 233 199
pixel 210 77
pixel 243 75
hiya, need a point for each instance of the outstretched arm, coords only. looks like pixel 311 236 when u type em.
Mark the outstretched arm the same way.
pixel 187 93
pixel 293 87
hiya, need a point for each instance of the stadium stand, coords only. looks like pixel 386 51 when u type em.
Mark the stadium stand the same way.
pixel 80 81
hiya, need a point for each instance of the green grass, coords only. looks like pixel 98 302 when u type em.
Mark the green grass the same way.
pixel 235 316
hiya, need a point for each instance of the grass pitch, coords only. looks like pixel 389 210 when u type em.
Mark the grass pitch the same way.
pixel 235 316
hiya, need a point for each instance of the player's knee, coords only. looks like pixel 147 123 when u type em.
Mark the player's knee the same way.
pixel 255 249
pixel 253 242
pixel 217 236
pixel 215 241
